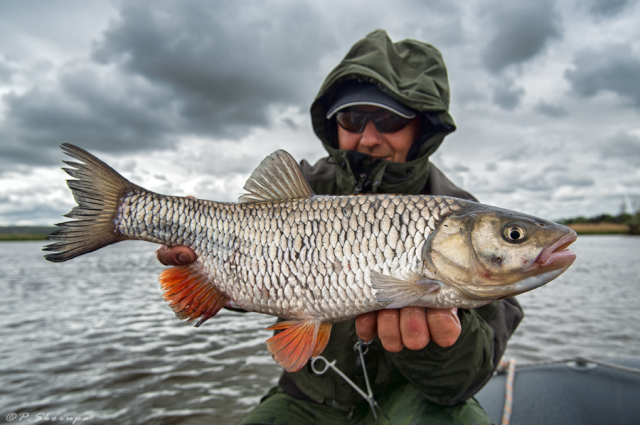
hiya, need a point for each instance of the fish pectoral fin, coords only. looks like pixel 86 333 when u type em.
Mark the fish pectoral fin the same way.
pixel 400 292
pixel 298 342
pixel 191 294
pixel 277 178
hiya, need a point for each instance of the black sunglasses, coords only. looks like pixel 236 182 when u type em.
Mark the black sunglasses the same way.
pixel 385 121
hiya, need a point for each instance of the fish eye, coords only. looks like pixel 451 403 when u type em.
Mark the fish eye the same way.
pixel 514 233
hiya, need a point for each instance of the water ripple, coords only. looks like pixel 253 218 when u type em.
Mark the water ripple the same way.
pixel 94 338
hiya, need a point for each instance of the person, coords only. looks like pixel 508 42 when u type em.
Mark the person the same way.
pixel 380 114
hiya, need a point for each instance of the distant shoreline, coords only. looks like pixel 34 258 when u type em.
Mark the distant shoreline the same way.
pixel 600 228
pixel 25 233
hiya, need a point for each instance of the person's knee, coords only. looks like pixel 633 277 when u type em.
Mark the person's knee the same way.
pixel 279 408
pixel 407 405
pixel 266 413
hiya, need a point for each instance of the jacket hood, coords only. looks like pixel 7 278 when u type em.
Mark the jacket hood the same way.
pixel 414 74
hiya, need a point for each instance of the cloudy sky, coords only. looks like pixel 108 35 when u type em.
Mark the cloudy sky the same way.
pixel 186 97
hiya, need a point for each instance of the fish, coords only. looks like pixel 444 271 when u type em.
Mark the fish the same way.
pixel 313 260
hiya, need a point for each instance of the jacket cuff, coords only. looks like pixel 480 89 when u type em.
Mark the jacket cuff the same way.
pixel 445 374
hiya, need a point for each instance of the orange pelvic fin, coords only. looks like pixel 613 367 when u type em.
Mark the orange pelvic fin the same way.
pixel 322 339
pixel 298 342
pixel 191 294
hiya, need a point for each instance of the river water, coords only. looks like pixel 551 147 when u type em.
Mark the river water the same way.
pixel 92 338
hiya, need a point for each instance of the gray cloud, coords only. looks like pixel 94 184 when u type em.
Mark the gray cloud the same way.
pixel 521 31
pixel 36 206
pixel 460 168
pixel 535 184
pixel 7 69
pixel 555 167
pixel 159 74
pixel 43 214
pixel 83 108
pixel 69 26
pixel 193 78
pixel 515 152
pixel 614 68
pixel 222 163
pixel 518 180
pixel 622 146
pixel 571 179
pixel 550 110
pixel 507 96
pixel 607 8
pixel 222 65
pixel 173 70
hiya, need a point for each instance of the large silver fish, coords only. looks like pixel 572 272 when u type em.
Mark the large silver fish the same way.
pixel 314 260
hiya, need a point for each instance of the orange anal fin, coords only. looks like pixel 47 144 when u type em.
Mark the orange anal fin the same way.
pixel 324 332
pixel 191 294
pixel 292 348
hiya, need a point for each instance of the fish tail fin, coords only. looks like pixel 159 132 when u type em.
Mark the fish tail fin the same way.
pixel 97 189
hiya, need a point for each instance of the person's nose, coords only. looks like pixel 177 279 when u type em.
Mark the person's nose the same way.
pixel 371 137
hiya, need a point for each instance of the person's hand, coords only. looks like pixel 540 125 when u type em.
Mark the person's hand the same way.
pixel 175 255
pixel 411 327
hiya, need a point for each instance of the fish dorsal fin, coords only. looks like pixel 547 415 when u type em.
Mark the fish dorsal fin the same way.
pixel 277 178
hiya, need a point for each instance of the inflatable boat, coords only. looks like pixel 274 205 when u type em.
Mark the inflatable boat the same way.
pixel 571 391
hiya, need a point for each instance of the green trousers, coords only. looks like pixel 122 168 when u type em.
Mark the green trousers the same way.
pixel 404 405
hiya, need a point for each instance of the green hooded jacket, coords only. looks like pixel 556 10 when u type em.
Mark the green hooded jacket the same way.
pixel 414 74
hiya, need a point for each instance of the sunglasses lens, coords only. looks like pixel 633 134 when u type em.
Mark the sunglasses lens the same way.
pixel 385 121
pixel 352 121
pixel 388 122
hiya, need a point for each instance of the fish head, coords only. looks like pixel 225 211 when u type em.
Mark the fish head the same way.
pixel 491 253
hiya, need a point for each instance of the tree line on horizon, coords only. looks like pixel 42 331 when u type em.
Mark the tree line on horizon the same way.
pixel 629 215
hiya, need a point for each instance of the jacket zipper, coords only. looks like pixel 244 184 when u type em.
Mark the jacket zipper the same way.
pixel 360 183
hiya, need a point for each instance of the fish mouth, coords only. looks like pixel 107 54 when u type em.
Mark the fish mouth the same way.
pixel 558 252
pixel 551 263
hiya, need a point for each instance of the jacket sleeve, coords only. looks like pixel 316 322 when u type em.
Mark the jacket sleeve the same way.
pixel 453 374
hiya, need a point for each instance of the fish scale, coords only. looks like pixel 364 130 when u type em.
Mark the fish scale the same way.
pixel 313 260
pixel 256 247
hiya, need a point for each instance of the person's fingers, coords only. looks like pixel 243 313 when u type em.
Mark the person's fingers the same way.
pixel 444 326
pixel 413 327
pixel 175 256
pixel 389 330
pixel 367 326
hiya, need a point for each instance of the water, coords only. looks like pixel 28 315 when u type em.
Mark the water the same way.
pixel 592 310
pixel 92 338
